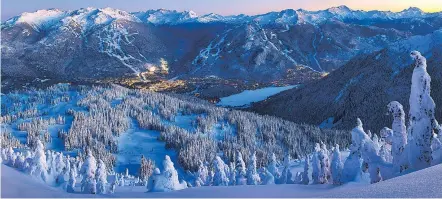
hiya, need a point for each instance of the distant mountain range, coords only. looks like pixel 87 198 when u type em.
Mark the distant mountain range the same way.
pixel 93 44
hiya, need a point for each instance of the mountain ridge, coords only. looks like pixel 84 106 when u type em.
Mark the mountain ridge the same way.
pixel 290 46
pixel 363 91
pixel 166 16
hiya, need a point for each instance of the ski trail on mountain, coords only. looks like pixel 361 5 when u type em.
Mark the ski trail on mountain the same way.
pixel 315 49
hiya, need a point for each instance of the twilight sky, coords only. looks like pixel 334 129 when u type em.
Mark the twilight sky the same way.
pixel 11 8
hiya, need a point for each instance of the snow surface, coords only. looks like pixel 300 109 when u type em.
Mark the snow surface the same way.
pixel 136 142
pixel 41 18
pixel 422 184
pixel 246 97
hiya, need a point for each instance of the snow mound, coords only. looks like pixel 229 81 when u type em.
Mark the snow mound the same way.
pixel 425 183
pixel 16 184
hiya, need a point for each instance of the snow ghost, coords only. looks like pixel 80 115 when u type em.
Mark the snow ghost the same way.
pixel 421 116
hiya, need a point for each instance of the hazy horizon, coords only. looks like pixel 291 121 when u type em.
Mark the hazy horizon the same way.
pixel 11 8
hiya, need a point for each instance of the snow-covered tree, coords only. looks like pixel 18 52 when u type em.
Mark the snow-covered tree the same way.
pixel 3 155
pixel 376 142
pixel 240 170
pixel 113 183
pixel 210 177
pixel 10 157
pixel 88 169
pixel 273 166
pixel 372 161
pixel 168 180
pixel 20 162
pixel 325 164
pixel 298 178
pixel 336 166
pixel 220 178
pixel 399 136
pixel 421 116
pixel 60 166
pixel 232 177
pixel 316 165
pixel 72 180
pixel 155 180
pixel 252 174
pixel 305 178
pixel 286 174
pixel 436 146
pixel 146 169
pixel 268 177
pixel 39 167
pixel 101 176
pixel 201 175
pixel 369 134
pixel 386 141
pixel 353 163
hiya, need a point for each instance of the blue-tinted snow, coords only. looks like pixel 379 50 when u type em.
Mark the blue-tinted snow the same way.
pixel 136 142
pixel 421 184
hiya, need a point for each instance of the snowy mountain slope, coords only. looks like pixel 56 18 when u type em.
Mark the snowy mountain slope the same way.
pixel 420 184
pixel 362 87
pixel 93 44
pixel 122 124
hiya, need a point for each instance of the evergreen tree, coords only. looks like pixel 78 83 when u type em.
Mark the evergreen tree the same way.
pixel 336 166
pixel 220 178
pixel 421 116
pixel 252 175
pixel 39 167
pixel 269 179
pixel 101 176
pixel 305 178
pixel 325 164
pixel 88 169
pixel 72 180
pixel 240 170
pixel 273 167
pixel 286 175
pixel 399 136
pixel 168 180
pixel 316 165
pixel 146 169
pixel 232 177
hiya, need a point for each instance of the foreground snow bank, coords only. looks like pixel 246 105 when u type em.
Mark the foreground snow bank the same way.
pixel 16 184
pixel 425 183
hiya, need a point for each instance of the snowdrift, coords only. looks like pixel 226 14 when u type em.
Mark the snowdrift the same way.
pixel 425 183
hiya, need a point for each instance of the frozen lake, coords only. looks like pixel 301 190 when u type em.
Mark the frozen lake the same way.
pixel 245 98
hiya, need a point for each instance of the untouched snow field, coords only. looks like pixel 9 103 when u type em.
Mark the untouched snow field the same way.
pixel 136 142
pixel 246 97
pixel 426 183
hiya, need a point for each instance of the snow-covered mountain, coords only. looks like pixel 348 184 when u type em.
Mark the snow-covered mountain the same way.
pixel 362 87
pixel 173 17
pixel 95 44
